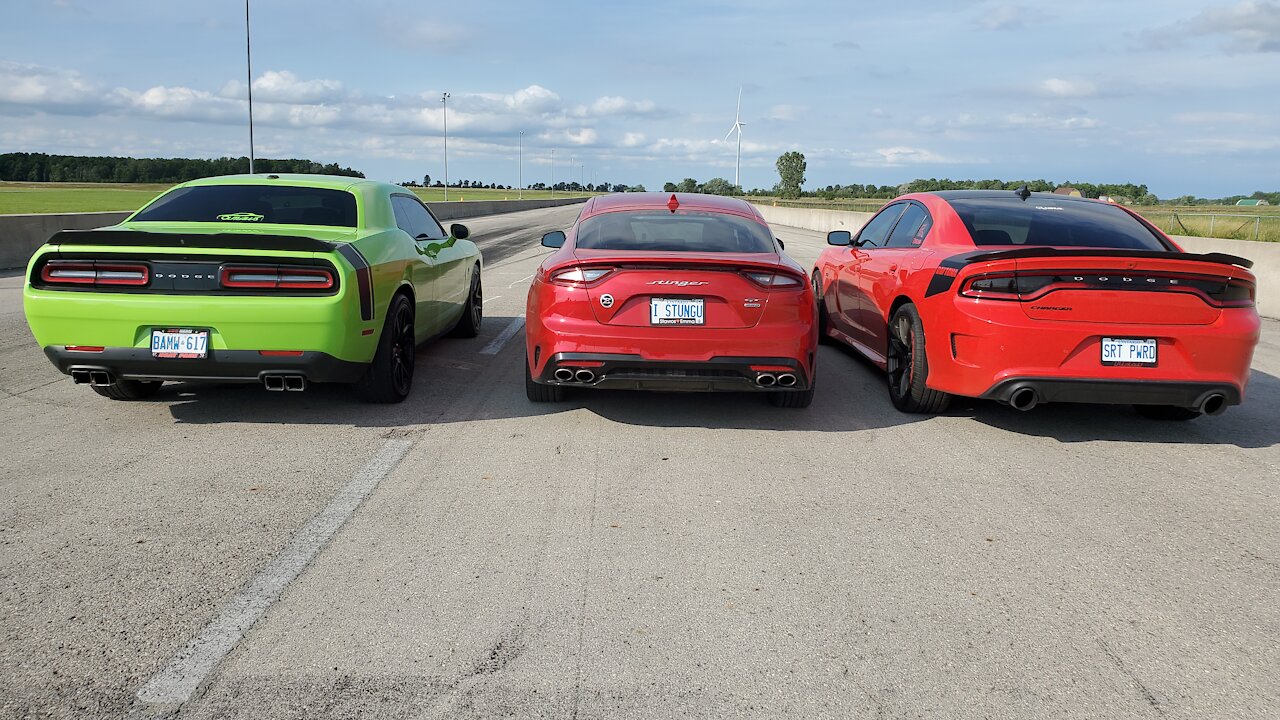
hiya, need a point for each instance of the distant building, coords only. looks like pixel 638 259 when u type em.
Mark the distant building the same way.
pixel 1252 202
pixel 1068 191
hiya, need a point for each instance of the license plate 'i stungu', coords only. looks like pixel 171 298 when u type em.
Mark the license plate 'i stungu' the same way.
pixel 677 311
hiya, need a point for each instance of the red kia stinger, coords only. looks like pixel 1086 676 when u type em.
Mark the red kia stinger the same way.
pixel 1027 298
pixel 649 291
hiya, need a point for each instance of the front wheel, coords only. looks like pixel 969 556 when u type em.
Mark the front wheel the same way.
pixel 909 367
pixel 473 312
pixel 390 375
pixel 122 389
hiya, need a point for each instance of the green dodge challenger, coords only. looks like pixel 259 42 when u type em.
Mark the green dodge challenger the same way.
pixel 282 280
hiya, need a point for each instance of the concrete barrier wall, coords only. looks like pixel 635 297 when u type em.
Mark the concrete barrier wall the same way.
pixel 20 235
pixel 1265 256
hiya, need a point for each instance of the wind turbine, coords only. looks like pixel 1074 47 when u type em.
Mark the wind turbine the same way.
pixel 737 127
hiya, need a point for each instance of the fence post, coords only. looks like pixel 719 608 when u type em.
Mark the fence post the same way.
pixel 1211 219
pixel 1257 226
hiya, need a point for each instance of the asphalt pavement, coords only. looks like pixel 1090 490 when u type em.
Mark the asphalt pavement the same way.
pixel 470 554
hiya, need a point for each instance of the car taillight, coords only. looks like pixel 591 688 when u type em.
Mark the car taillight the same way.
pixel 781 281
pixel 86 272
pixel 272 277
pixel 1236 293
pixel 579 276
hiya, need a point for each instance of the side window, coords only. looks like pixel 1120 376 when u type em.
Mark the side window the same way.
pixel 911 228
pixel 434 228
pixel 414 218
pixel 400 205
pixel 875 232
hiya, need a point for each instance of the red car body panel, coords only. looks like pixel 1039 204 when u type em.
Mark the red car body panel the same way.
pixel 985 346
pixel 748 328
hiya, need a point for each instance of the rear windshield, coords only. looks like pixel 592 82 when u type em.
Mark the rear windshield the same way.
pixel 1053 223
pixel 250 204
pixel 664 231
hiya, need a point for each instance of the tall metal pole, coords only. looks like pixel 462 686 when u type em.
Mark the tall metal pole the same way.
pixel 248 63
pixel 444 100
pixel 520 165
pixel 553 172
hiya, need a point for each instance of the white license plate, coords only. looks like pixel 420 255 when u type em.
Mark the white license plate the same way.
pixel 1128 351
pixel 677 311
pixel 186 344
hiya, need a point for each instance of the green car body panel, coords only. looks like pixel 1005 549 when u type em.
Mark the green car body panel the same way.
pixel 342 327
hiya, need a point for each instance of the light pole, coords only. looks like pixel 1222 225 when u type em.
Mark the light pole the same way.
pixel 569 182
pixel 553 172
pixel 444 100
pixel 248 62
pixel 520 165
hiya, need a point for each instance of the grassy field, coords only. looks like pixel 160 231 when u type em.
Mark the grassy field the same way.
pixel 22 198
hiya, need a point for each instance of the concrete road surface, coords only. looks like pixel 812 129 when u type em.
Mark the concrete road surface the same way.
pixel 470 554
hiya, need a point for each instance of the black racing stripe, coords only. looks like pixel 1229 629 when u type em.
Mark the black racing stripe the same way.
pixel 363 279
pixel 229 241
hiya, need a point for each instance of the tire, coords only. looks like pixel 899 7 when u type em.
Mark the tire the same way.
pixel 824 322
pixel 389 377
pixel 908 366
pixel 473 312
pixel 121 389
pixel 1166 412
pixel 539 393
pixel 794 399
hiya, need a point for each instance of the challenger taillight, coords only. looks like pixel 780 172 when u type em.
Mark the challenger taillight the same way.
pixel 780 281
pixel 275 277
pixel 576 276
pixel 94 273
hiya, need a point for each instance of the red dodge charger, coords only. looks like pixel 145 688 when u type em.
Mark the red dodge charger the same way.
pixel 1026 298
pixel 670 292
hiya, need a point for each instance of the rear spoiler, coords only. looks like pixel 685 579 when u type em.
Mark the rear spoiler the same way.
pixel 229 241
pixel 1040 252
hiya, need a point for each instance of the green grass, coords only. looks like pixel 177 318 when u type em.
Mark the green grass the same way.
pixel 24 198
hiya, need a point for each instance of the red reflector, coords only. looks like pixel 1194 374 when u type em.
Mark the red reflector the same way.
pixel 281 353
pixel 85 348
pixel 367 331
pixel 581 363
pixel 673 204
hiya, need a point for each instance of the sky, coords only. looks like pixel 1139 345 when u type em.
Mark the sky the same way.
pixel 1182 96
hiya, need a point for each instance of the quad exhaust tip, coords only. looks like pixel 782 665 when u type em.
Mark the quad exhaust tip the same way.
pixel 787 380
pixel 584 376
pixel 1214 404
pixel 564 374
pixel 80 377
pixel 295 383
pixel 766 380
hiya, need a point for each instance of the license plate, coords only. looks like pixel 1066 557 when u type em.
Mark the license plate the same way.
pixel 1128 351
pixel 180 343
pixel 677 311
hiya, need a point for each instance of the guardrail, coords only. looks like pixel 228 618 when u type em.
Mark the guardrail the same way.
pixel 20 235
pixel 1265 255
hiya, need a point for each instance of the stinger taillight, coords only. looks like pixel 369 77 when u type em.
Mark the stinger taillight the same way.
pixel 781 281
pixel 579 276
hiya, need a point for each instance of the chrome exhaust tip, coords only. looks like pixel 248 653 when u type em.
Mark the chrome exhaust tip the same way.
pixel 1214 404
pixel 99 378
pixel 766 380
pixel 274 383
pixel 1023 399
pixel 295 383
pixel 564 374
pixel 80 377
pixel 787 380
pixel 584 376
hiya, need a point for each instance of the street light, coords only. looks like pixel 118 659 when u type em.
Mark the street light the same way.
pixel 444 100
pixel 520 165
pixel 553 172
pixel 248 62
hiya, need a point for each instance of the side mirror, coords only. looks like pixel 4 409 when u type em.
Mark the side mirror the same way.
pixel 553 239
pixel 459 231
pixel 781 244
pixel 839 237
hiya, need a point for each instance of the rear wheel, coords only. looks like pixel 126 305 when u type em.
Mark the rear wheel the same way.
pixel 1166 412
pixel 794 399
pixel 473 312
pixel 390 376
pixel 539 393
pixel 909 367
pixel 121 389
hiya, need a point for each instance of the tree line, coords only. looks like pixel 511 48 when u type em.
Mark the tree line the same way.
pixel 602 187
pixel 39 167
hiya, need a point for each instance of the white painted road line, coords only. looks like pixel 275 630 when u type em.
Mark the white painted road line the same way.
pixel 486 300
pixel 526 277
pixel 495 345
pixel 191 666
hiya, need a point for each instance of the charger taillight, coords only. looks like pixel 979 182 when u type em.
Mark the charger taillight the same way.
pixel 94 273
pixel 275 277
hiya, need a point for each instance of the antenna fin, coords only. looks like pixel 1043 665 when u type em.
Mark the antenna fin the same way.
pixel 1022 191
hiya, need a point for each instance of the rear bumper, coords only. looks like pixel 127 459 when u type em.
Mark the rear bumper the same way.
pixel 613 371
pixel 1116 392
pixel 220 365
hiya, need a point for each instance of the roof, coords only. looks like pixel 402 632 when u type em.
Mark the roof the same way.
pixel 653 200
pixel 976 194
pixel 336 182
pixel 1251 201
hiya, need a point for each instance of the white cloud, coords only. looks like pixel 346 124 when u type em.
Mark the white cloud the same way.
pixel 1249 26
pixel 34 85
pixel 899 155
pixel 1048 122
pixel 1004 16
pixel 786 112
pixel 285 87
pixel 632 139
pixel 1059 88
